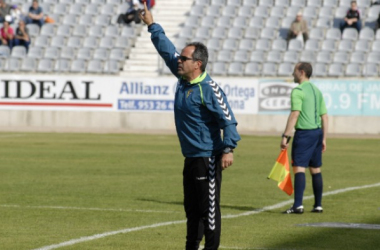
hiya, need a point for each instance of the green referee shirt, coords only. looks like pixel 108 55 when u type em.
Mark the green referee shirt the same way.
pixel 308 99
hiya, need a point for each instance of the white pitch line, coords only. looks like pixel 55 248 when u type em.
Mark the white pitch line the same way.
pixel 128 230
pixel 90 208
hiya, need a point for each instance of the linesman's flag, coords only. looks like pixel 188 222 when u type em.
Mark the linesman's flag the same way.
pixel 281 173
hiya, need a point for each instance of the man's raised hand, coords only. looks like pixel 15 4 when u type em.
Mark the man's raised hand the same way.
pixel 145 15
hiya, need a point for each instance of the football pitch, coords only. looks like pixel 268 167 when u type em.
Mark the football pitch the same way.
pixel 124 191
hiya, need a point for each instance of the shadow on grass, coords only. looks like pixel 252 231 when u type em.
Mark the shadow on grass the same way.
pixel 180 203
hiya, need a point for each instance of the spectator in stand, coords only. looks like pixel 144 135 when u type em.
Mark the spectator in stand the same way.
pixel 4 10
pixel 375 2
pixel 131 14
pixel 22 36
pixel 6 33
pixel 298 29
pixel 36 14
pixel 352 19
pixel 16 14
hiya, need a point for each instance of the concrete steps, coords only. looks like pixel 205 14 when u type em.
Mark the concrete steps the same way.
pixel 143 58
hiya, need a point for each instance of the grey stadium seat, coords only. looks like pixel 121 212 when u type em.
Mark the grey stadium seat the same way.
pixel 291 56
pixel 64 30
pixel 235 69
pixel 362 45
pixel 257 22
pixel 100 54
pixel 317 33
pixel 324 57
pixel 67 53
pixel 358 57
pixel 274 57
pixel 252 69
pixel 224 56
pixel 308 56
pixel 240 22
pixel 107 9
pixel 218 2
pixel 345 3
pixel 61 8
pixel 214 10
pixel 268 33
pixel 273 22
pixel 98 1
pixel 219 68
pixel 261 11
pixel 269 69
pixel 336 69
pixel 76 8
pixel 84 53
pixel 346 45
pixel 292 11
pixel 91 9
pixel 353 69
pixel 257 56
pixel 266 2
pixel 367 34
pixel 78 66
pixel 34 29
pixel 102 20
pixel 241 56
pixel 51 53
pixel 312 45
pixel 203 32
pixel 295 44
pixel 95 66
pixel 334 34
pixel 96 31
pixel 28 64
pixel 47 29
pixel 214 44
pixel 300 3
pixel 18 52
pixel 70 19
pixel 331 3
pixel 279 44
pixel 371 70
pixel 378 34
pixel 326 11
pixel 252 33
pixel 320 69
pixel 230 11
pixel 181 43
pixel 197 10
pixel 86 19
pixel 324 22
pixel 285 69
pixel 74 42
pixel 250 3
pixel 376 45
pixel 314 3
pixel 117 54
pixel 4 51
pixel 278 11
pixel 80 30
pixel 236 33
pixel 111 67
pixel 328 45
pixel 310 12
pixel 128 32
pixel 263 44
pixel 112 31
pixel 106 42
pixel 282 3
pixel 219 32
pixel 246 11
pixel 13 64
pixel 341 57
pixel 56 17
pixel 246 44
pixel 35 52
pixel 58 41
pixel 373 57
pixel 201 2
pixel 45 65
pixel 350 34
pixel 234 2
pixel 223 21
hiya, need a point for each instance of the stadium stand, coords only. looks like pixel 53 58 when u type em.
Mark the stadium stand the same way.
pixel 248 35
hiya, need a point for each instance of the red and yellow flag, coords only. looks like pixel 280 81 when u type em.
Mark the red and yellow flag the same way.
pixel 281 173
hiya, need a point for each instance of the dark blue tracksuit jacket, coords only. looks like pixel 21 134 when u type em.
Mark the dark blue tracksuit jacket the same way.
pixel 201 109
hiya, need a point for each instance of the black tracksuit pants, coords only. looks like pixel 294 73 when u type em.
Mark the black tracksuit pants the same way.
pixel 202 177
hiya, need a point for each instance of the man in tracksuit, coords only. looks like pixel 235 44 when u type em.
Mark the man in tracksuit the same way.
pixel 201 111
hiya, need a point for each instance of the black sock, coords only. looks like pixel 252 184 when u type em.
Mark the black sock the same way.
pixel 317 189
pixel 299 188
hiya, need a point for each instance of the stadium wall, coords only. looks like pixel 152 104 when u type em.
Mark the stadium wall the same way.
pixel 52 103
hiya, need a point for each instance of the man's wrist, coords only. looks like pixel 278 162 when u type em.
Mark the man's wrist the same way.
pixel 151 24
pixel 285 136
pixel 228 150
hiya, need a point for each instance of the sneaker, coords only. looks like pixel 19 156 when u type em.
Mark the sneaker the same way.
pixel 318 209
pixel 292 210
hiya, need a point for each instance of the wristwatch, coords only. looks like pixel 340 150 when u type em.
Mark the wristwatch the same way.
pixel 286 136
pixel 228 150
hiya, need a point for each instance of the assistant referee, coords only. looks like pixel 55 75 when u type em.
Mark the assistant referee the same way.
pixel 309 117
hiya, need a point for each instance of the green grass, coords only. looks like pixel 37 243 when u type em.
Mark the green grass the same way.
pixel 52 184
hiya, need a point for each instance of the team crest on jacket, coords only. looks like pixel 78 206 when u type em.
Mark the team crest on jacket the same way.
pixel 189 93
pixel 220 98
